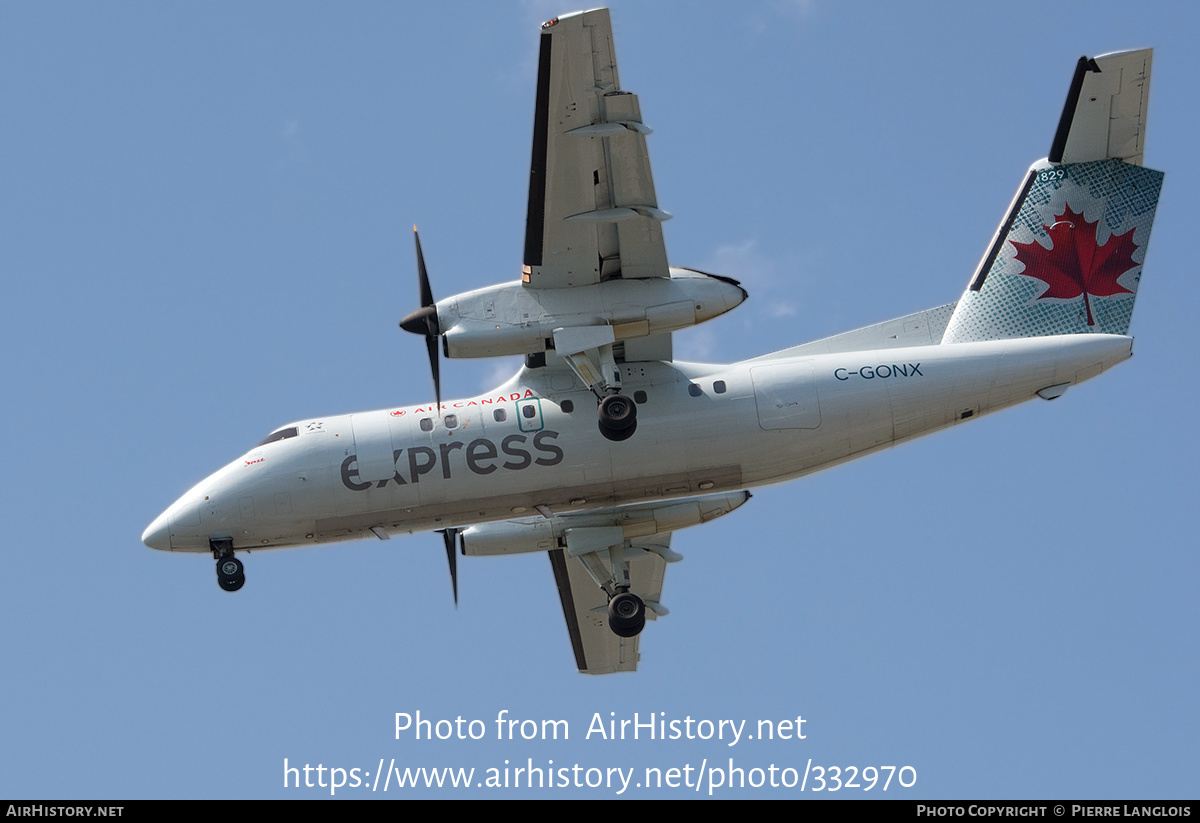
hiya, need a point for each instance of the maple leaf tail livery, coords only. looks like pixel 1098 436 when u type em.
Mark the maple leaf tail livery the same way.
pixel 603 446
pixel 1068 257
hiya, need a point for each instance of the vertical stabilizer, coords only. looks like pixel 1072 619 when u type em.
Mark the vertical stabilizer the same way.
pixel 1068 256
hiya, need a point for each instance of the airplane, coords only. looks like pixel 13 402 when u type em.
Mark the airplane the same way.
pixel 529 467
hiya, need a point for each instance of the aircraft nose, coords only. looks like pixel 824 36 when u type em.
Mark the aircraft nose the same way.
pixel 158 534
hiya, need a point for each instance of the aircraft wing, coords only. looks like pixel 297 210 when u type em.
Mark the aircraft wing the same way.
pixel 593 214
pixel 589 550
pixel 585 606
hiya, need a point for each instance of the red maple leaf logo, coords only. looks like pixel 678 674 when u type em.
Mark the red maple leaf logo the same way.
pixel 1076 264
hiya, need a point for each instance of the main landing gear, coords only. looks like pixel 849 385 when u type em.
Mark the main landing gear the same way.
pixel 617 416
pixel 588 350
pixel 626 614
pixel 231 575
pixel 602 551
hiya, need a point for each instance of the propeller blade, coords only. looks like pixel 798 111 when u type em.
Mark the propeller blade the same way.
pixel 449 537
pixel 431 343
pixel 424 321
pixel 422 274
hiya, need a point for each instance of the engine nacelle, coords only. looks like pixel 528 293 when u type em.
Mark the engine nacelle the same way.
pixel 509 537
pixel 641 520
pixel 513 318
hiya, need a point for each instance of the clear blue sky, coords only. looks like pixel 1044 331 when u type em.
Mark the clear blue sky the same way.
pixel 205 218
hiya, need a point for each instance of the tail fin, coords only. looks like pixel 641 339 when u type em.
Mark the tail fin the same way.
pixel 1068 257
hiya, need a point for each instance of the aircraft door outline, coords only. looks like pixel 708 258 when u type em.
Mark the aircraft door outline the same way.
pixel 529 415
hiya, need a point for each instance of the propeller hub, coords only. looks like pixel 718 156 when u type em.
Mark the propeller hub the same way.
pixel 423 321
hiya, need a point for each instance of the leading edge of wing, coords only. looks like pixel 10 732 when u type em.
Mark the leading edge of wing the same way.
pixel 558 564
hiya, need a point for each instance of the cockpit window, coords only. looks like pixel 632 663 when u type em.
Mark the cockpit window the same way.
pixel 280 434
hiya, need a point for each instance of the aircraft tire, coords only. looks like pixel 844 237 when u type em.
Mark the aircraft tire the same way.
pixel 617 413
pixel 618 435
pixel 628 631
pixel 232 584
pixel 626 615
pixel 230 568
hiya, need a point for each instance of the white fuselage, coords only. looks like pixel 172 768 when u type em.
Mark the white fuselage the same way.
pixel 701 429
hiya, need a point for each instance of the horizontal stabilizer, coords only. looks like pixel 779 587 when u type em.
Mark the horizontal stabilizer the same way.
pixel 923 328
pixel 1105 113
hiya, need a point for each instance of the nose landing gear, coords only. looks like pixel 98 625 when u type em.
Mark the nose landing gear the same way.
pixel 231 575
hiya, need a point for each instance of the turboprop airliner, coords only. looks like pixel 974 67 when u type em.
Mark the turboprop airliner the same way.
pixel 603 446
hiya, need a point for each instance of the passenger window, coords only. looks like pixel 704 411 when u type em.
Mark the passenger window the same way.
pixel 694 389
pixel 567 406
pixel 529 410
pixel 719 387
pixel 499 415
pixel 639 397
pixel 426 424
pixel 451 421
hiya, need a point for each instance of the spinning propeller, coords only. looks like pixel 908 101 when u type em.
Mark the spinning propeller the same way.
pixel 425 321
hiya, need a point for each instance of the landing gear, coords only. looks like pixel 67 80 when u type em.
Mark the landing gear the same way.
pixel 230 567
pixel 617 416
pixel 626 614
pixel 231 575
pixel 605 555
pixel 588 350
